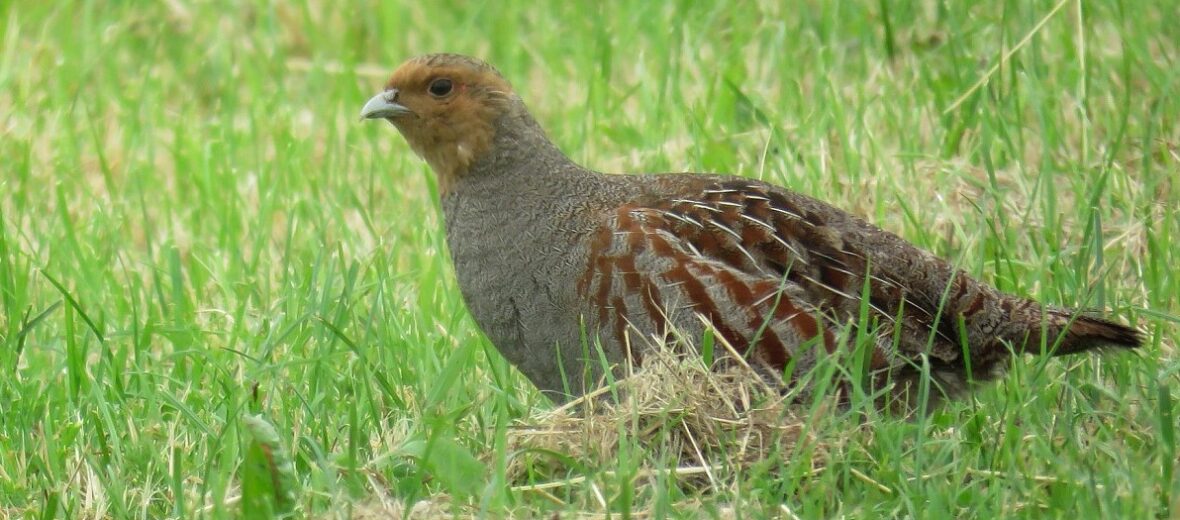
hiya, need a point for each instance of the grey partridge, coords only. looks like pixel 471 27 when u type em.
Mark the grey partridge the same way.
pixel 568 270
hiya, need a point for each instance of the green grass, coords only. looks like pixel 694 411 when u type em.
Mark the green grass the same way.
pixel 195 229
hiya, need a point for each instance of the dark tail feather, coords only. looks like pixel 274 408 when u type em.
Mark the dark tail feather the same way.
pixel 1084 333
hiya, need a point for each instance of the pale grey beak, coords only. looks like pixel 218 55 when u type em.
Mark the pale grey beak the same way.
pixel 383 106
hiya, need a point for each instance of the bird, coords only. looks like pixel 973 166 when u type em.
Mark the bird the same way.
pixel 573 274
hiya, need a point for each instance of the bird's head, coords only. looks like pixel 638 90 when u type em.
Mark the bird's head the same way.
pixel 446 106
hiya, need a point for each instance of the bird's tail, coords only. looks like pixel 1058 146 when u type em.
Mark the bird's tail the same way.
pixel 1081 332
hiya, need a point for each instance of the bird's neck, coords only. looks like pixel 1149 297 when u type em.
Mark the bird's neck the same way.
pixel 519 148
pixel 522 177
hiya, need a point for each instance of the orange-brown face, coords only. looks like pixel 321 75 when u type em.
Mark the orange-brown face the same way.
pixel 445 106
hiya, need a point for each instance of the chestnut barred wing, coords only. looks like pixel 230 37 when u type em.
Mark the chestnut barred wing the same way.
pixel 769 276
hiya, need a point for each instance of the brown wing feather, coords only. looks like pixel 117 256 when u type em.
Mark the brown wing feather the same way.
pixel 760 230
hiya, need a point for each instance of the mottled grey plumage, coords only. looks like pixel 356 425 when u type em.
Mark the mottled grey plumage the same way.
pixel 549 254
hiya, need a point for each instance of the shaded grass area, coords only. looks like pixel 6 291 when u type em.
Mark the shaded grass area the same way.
pixel 195 229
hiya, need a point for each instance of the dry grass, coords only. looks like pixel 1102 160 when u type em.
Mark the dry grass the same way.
pixel 719 421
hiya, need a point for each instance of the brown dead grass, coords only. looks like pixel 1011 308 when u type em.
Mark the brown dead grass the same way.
pixel 715 422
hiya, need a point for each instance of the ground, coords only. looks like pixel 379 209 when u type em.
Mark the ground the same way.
pixel 213 276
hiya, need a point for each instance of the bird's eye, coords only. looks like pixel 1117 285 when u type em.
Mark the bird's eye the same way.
pixel 440 87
